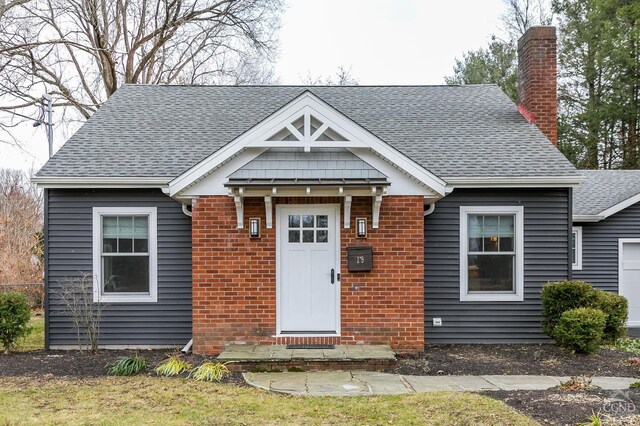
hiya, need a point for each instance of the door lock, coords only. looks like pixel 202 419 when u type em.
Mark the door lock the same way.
pixel 333 276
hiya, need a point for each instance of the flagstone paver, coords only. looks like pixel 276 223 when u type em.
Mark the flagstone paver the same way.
pixel 266 353
pixel 347 383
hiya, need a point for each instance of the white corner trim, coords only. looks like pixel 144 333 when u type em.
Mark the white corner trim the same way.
pixel 577 265
pixel 99 182
pixel 518 295
pixel 306 103
pixel 98 295
pixel 511 182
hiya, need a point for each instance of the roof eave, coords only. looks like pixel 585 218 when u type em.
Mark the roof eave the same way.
pixel 100 182
pixel 514 182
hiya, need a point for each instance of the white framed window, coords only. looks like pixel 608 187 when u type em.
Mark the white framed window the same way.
pixel 492 253
pixel 576 248
pixel 125 255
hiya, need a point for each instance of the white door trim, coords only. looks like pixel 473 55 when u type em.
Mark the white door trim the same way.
pixel 280 210
pixel 621 243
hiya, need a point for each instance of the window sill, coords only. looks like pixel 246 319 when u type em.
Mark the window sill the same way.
pixel 576 268
pixel 491 298
pixel 125 298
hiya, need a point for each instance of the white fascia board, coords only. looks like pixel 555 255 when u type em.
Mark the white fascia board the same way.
pixel 587 218
pixel 307 102
pixel 99 182
pixel 514 182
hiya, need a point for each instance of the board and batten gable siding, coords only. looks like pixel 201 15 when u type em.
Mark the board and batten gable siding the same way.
pixel 547 214
pixel 69 247
pixel 600 247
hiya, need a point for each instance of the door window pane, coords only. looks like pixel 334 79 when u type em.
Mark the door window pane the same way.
pixel 323 221
pixel 294 221
pixel 294 236
pixel 307 221
pixel 321 236
pixel 307 236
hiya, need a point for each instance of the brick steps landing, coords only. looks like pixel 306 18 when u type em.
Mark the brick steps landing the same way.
pixel 279 358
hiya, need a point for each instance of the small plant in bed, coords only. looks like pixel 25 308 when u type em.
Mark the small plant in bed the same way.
pixel 128 366
pixel 209 372
pixel 14 319
pixel 629 345
pixel 173 366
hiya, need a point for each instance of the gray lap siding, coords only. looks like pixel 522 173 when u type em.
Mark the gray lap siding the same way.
pixel 546 258
pixel 600 247
pixel 69 250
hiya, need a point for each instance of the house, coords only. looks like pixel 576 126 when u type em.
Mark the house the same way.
pixel 399 215
pixel 606 234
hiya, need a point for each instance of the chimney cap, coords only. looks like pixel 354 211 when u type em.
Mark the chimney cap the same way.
pixel 538 32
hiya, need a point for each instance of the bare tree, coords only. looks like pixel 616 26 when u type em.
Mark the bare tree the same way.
pixel 81 51
pixel 342 77
pixel 5 5
pixel 523 14
pixel 20 229
pixel 76 294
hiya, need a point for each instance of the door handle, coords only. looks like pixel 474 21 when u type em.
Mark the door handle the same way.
pixel 333 276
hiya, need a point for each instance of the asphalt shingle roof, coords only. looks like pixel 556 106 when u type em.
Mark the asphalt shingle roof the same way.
pixel 453 131
pixel 603 189
pixel 297 164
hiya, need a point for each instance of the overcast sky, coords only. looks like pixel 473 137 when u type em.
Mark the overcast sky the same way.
pixel 380 41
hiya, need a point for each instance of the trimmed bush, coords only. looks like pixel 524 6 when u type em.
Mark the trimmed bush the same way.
pixel 581 329
pixel 14 319
pixel 560 296
pixel 616 308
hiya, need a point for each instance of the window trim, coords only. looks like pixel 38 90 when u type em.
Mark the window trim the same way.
pixel 577 265
pixel 98 294
pixel 518 295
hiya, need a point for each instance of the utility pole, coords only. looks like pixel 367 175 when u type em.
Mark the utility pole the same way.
pixel 47 104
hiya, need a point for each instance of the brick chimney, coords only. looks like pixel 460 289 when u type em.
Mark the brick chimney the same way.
pixel 537 75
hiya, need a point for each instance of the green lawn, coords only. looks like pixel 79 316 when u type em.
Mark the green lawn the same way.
pixel 152 400
pixel 35 339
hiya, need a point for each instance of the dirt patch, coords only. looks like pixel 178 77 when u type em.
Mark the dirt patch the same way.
pixel 542 359
pixel 84 364
pixel 570 408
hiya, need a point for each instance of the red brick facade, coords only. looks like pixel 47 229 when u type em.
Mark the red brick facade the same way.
pixel 537 73
pixel 234 280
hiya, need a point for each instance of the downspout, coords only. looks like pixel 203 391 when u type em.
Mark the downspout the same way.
pixel 430 210
pixel 187 347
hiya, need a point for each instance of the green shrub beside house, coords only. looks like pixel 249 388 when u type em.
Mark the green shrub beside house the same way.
pixel 581 317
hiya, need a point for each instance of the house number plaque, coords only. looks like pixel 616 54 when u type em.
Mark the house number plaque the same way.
pixel 359 259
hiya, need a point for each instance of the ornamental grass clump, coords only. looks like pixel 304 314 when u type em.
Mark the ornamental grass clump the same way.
pixel 128 366
pixel 209 372
pixel 172 366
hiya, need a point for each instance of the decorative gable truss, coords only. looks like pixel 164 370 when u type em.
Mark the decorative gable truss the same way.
pixel 306 123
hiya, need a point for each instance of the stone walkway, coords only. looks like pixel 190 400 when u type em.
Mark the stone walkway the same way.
pixel 243 353
pixel 349 383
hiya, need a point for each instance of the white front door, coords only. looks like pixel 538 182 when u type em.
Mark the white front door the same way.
pixel 629 277
pixel 308 250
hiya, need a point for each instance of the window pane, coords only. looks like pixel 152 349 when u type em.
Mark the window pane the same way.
pixel 126 274
pixel 109 245
pixel 125 245
pixel 475 226
pixel 491 244
pixel 294 236
pixel 294 221
pixel 307 236
pixel 125 227
pixel 505 226
pixel 323 221
pixel 307 221
pixel 141 227
pixel 322 236
pixel 574 237
pixel 475 244
pixel 491 273
pixel 140 246
pixel 490 227
pixel 109 226
pixel 506 243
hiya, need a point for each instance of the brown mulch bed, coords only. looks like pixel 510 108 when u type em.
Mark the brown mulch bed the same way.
pixel 542 359
pixel 571 408
pixel 85 364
